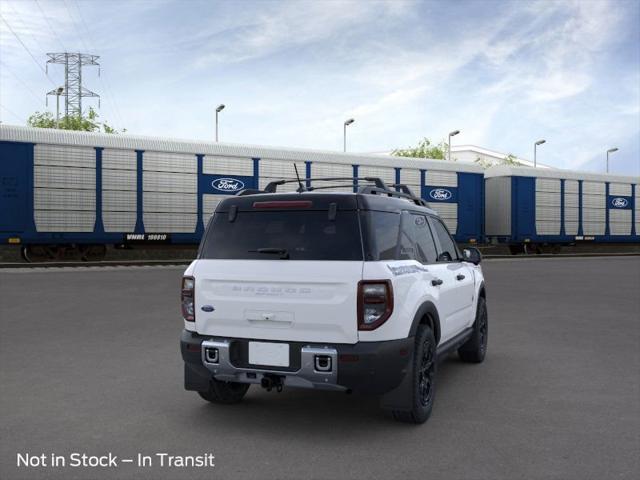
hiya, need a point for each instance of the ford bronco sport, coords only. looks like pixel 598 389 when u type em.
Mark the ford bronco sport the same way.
pixel 360 291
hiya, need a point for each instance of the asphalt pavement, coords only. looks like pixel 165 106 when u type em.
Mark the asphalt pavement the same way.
pixel 90 363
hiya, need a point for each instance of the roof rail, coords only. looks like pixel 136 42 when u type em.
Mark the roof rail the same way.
pixel 403 188
pixel 378 187
pixel 248 191
pixel 305 183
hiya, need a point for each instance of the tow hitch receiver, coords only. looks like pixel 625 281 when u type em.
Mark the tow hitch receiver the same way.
pixel 269 382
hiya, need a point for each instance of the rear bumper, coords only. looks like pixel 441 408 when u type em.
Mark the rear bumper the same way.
pixel 365 367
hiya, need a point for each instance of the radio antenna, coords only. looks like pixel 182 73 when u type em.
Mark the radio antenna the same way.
pixel 300 187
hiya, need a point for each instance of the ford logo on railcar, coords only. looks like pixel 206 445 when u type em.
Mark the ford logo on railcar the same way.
pixel 440 194
pixel 619 202
pixel 227 184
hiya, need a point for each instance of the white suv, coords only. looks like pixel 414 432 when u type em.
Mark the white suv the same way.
pixel 341 291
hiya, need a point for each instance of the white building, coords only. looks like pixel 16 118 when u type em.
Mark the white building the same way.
pixel 471 153
pixel 487 157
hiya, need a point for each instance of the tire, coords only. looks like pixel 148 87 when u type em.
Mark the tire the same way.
pixel 423 371
pixel 475 349
pixel 225 393
pixel 92 253
pixel 516 249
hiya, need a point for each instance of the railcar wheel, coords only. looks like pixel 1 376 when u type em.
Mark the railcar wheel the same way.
pixel 93 253
pixel 516 249
pixel 36 253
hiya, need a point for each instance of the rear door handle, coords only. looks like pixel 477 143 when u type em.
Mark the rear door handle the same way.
pixel 435 282
pixel 460 277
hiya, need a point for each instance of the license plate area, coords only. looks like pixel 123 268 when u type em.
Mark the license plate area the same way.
pixel 269 354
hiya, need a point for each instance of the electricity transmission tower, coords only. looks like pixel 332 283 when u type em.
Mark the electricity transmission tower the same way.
pixel 73 91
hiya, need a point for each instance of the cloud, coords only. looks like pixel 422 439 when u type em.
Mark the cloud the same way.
pixel 284 25
pixel 291 72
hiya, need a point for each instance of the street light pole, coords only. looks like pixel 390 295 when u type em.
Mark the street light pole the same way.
pixel 611 150
pixel 218 110
pixel 451 134
pixel 58 93
pixel 344 136
pixel 535 146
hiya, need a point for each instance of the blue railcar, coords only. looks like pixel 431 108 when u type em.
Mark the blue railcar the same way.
pixel 64 190
pixel 530 208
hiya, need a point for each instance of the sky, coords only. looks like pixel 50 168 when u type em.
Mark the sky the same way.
pixel 505 73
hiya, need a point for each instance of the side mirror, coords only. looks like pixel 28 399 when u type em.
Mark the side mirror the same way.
pixel 472 255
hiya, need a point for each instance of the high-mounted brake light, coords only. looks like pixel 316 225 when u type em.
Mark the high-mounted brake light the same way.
pixel 375 303
pixel 284 204
pixel 187 297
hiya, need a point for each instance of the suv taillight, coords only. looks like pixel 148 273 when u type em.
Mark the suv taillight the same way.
pixel 188 295
pixel 375 303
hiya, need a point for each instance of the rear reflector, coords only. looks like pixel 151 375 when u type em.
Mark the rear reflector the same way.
pixel 284 204
pixel 346 357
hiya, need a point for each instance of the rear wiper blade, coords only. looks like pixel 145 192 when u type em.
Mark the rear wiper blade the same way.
pixel 284 254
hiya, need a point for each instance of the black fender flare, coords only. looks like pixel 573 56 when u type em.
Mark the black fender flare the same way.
pixel 429 310
pixel 482 291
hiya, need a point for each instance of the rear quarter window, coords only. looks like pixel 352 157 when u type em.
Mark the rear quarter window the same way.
pixel 381 232
pixel 398 236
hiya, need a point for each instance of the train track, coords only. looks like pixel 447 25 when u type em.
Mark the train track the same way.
pixel 182 262
pixel 103 263
pixel 564 255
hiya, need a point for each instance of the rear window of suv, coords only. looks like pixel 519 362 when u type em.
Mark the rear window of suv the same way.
pixel 275 235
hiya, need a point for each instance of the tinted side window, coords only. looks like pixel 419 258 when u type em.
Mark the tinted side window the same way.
pixel 425 246
pixel 392 236
pixel 447 245
pixel 407 238
pixel 381 237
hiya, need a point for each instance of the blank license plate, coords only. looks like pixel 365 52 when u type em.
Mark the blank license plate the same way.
pixel 274 354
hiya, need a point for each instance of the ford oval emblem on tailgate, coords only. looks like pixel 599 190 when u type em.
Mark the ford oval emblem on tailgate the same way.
pixel 207 308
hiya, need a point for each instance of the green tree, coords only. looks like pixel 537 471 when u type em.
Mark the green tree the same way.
pixel 424 149
pixel 88 123
pixel 510 159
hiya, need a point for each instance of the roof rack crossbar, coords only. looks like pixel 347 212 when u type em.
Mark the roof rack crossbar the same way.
pixel 378 187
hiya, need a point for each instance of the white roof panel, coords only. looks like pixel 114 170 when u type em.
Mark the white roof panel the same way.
pixel 135 142
pixel 509 171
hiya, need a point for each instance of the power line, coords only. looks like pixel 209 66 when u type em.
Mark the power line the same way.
pixel 75 27
pixel 105 82
pixel 27 49
pixel 32 92
pixel 24 27
pixel 12 113
pixel 44 15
